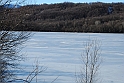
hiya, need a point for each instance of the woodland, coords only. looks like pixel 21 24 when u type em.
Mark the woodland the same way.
pixel 94 17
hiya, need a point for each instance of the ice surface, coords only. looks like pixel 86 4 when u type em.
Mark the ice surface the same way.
pixel 61 52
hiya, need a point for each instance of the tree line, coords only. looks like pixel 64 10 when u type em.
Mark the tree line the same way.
pixel 65 17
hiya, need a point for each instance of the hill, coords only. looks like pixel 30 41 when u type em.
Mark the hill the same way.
pixel 65 17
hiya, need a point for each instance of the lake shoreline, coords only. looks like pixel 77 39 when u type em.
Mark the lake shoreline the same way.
pixel 67 31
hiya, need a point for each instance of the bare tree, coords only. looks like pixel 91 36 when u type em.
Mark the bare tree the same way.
pixel 3 2
pixel 8 21
pixel 9 47
pixel 91 62
pixel 33 75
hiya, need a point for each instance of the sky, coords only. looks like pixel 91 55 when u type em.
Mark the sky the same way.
pixel 75 1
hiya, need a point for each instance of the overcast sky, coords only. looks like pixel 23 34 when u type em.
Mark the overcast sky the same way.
pixel 76 1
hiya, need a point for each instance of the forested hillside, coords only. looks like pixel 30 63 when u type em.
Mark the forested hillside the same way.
pixel 65 17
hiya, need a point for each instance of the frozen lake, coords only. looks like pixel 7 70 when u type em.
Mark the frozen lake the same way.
pixel 60 53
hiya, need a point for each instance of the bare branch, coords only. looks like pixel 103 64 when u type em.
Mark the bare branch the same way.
pixel 91 62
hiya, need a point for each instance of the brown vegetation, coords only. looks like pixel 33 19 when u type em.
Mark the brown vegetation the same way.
pixel 66 17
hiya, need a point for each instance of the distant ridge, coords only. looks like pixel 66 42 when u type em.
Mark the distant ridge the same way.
pixel 11 6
